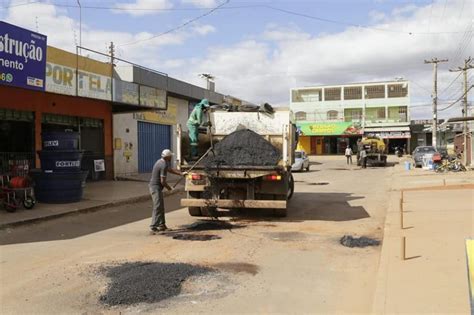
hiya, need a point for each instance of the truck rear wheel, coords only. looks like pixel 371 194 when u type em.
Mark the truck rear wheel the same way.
pixel 291 187
pixel 195 211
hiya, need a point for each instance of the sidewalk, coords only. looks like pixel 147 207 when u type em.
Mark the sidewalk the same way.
pixel 437 218
pixel 97 195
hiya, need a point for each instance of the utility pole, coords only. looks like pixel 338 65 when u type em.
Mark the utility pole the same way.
pixel 80 25
pixel 112 56
pixel 434 96
pixel 467 66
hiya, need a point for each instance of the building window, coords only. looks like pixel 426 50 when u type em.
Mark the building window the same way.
pixel 353 114
pixel 375 91
pixel 332 115
pixel 398 90
pixel 353 93
pixel 398 113
pixel 375 114
pixel 300 116
pixel 332 94
pixel 313 95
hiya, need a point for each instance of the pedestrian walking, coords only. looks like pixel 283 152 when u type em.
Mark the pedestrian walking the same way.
pixel 348 153
pixel 363 157
pixel 156 185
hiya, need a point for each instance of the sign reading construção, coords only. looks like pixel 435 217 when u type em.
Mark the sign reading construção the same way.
pixel 22 57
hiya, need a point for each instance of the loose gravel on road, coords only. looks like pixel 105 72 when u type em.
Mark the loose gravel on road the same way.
pixel 147 282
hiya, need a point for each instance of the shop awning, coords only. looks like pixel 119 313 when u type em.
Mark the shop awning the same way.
pixel 402 132
pixel 386 129
pixel 328 128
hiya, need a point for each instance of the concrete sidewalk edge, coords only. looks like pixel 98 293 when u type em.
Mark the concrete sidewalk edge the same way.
pixel 88 209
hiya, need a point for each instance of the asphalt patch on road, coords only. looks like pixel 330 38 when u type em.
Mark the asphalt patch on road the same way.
pixel 350 241
pixel 210 225
pixel 147 282
pixel 194 237
pixel 243 148
pixel 319 184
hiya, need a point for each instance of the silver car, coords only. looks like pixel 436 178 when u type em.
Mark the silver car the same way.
pixel 419 152
pixel 301 162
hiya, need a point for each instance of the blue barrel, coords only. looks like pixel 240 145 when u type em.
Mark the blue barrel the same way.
pixel 56 140
pixel 60 161
pixel 58 187
pixel 407 165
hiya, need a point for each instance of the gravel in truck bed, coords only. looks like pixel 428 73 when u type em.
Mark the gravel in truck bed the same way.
pixel 243 148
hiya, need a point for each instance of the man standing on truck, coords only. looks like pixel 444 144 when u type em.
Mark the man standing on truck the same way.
pixel 156 185
pixel 195 120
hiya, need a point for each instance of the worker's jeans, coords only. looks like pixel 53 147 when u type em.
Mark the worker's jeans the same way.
pixel 349 159
pixel 158 214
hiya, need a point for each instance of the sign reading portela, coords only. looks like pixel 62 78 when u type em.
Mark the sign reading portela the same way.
pixel 22 57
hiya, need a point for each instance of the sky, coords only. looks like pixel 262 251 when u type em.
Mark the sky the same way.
pixel 259 50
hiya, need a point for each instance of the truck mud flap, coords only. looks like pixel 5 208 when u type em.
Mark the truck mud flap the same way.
pixel 228 203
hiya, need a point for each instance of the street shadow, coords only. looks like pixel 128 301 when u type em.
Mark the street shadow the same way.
pixel 308 207
pixel 80 224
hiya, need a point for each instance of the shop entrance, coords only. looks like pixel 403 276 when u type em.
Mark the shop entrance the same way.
pixel 17 141
pixel 400 143
pixel 317 145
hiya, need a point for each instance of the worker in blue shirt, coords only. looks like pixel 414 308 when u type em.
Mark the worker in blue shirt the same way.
pixel 195 120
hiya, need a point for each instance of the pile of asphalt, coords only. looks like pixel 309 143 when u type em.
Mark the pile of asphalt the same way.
pixel 243 148
pixel 146 282
pixel 350 241
pixel 209 225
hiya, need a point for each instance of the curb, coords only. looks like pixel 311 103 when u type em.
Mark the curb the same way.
pixel 89 209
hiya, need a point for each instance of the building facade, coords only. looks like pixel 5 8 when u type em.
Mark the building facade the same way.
pixel 332 117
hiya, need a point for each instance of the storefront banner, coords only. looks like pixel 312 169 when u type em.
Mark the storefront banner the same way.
pixel 152 97
pixel 62 80
pixel 391 134
pixel 329 129
pixel 165 117
pixel 125 92
pixel 22 57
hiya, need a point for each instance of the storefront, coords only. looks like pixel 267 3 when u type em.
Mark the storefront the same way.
pixel 328 138
pixel 394 137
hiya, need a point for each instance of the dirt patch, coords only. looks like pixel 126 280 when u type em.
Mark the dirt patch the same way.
pixel 243 147
pixel 238 268
pixel 194 237
pixel 146 282
pixel 350 241
pixel 286 236
pixel 319 184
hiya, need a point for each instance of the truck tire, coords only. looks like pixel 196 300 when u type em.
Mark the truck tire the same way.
pixel 291 187
pixel 281 213
pixel 195 211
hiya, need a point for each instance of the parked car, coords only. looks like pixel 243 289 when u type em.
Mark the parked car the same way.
pixel 301 161
pixel 420 151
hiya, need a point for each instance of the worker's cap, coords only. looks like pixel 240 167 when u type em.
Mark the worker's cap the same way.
pixel 205 102
pixel 166 153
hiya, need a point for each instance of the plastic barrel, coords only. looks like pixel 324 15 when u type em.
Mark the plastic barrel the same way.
pixel 58 187
pixel 60 161
pixel 54 141
pixel 407 165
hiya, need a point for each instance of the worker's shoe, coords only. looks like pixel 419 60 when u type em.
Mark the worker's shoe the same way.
pixel 162 228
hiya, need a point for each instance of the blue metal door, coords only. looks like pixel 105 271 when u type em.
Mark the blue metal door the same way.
pixel 152 139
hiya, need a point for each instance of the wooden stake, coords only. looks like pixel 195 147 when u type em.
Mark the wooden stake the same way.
pixel 401 219
pixel 404 244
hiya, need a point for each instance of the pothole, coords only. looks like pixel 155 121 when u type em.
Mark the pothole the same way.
pixel 238 268
pixel 286 236
pixel 194 237
pixel 350 241
pixel 319 184
pixel 209 225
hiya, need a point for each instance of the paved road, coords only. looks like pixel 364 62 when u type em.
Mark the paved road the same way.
pixel 266 265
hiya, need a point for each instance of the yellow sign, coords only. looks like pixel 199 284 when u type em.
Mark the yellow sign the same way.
pixel 324 129
pixel 165 117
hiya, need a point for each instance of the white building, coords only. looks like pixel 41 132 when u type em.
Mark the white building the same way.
pixel 334 116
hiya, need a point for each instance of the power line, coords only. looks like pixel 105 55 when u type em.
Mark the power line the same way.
pixel 178 27
pixel 455 102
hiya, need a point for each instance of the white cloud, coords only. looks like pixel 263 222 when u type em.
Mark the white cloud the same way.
pixel 283 57
pixel 204 29
pixel 143 7
pixel 201 3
